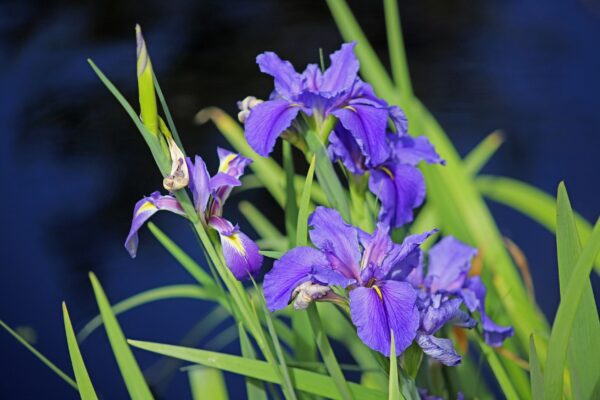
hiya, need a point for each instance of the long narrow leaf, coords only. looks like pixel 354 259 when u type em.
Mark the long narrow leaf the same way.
pixel 259 222
pixel 584 344
pixel 146 297
pixel 207 383
pixel 291 205
pixel 304 207
pixel 537 379
pixel 565 317
pixel 393 388
pixel 396 47
pixel 255 389
pixel 481 154
pixel 64 376
pixel 130 371
pixel 532 202
pixel 84 383
pixel 327 353
pixel 303 380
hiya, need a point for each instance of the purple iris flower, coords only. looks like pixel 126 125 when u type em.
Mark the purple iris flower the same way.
pixel 209 195
pixel 370 266
pixel 396 181
pixel 337 91
pixel 444 288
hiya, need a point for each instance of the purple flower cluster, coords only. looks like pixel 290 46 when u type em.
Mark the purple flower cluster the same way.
pixel 370 136
pixel 387 287
pixel 209 195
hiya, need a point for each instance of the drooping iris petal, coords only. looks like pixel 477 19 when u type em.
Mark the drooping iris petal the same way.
pixel 449 263
pixel 299 265
pixel 337 239
pixel 221 180
pixel 288 83
pixel 439 349
pixel 342 72
pixel 433 318
pixel 413 150
pixel 240 252
pixel 367 124
pixel 377 310
pixel 399 119
pixel 143 210
pixel 474 294
pixel 405 257
pixel 266 122
pixel 199 183
pixel 231 163
pixel 401 189
pixel 344 148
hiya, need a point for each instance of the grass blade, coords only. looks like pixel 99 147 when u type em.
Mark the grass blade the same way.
pixel 304 209
pixel 396 48
pixel 327 353
pixel 532 202
pixel 327 177
pixel 132 375
pixel 40 356
pixel 255 389
pixel 207 383
pixel 393 388
pixel 148 296
pixel 565 317
pixel 305 381
pixel 481 154
pixel 537 379
pixel 165 108
pixel 291 205
pixel 84 383
pixel 500 374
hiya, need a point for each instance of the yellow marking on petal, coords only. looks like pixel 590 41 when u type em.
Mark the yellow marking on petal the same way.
pixel 378 291
pixel 351 108
pixel 235 242
pixel 147 206
pixel 225 164
pixel 387 171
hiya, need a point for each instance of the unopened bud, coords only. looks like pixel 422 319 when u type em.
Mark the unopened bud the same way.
pixel 307 292
pixel 179 175
pixel 246 106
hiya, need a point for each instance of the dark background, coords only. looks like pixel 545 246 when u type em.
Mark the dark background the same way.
pixel 73 164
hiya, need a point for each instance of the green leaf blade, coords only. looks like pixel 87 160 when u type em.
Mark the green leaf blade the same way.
pixel 393 387
pixel 84 383
pixel 130 371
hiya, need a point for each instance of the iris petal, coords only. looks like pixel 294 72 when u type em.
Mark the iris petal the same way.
pixel 342 72
pixel 449 263
pixel 376 311
pixel 143 210
pixel 439 349
pixel 199 183
pixel 288 82
pixel 266 122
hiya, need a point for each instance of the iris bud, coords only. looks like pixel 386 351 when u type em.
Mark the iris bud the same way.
pixel 307 292
pixel 246 106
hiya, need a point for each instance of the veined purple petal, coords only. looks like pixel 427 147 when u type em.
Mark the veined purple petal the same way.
pixel 231 163
pixel 434 318
pixel 267 121
pixel 313 78
pixel 409 150
pixel 343 147
pixel 376 247
pixel 400 188
pixel 221 180
pixel 299 265
pixel 449 264
pixel 367 124
pixel 439 349
pixel 199 183
pixel 337 239
pixel 377 310
pixel 474 294
pixel 342 72
pixel 404 258
pixel 240 252
pixel 399 119
pixel 143 210
pixel 288 82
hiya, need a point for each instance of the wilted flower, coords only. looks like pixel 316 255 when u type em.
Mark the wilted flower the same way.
pixel 444 288
pixel 370 267
pixel 209 195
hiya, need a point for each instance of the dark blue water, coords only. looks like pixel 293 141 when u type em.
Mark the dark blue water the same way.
pixel 73 165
